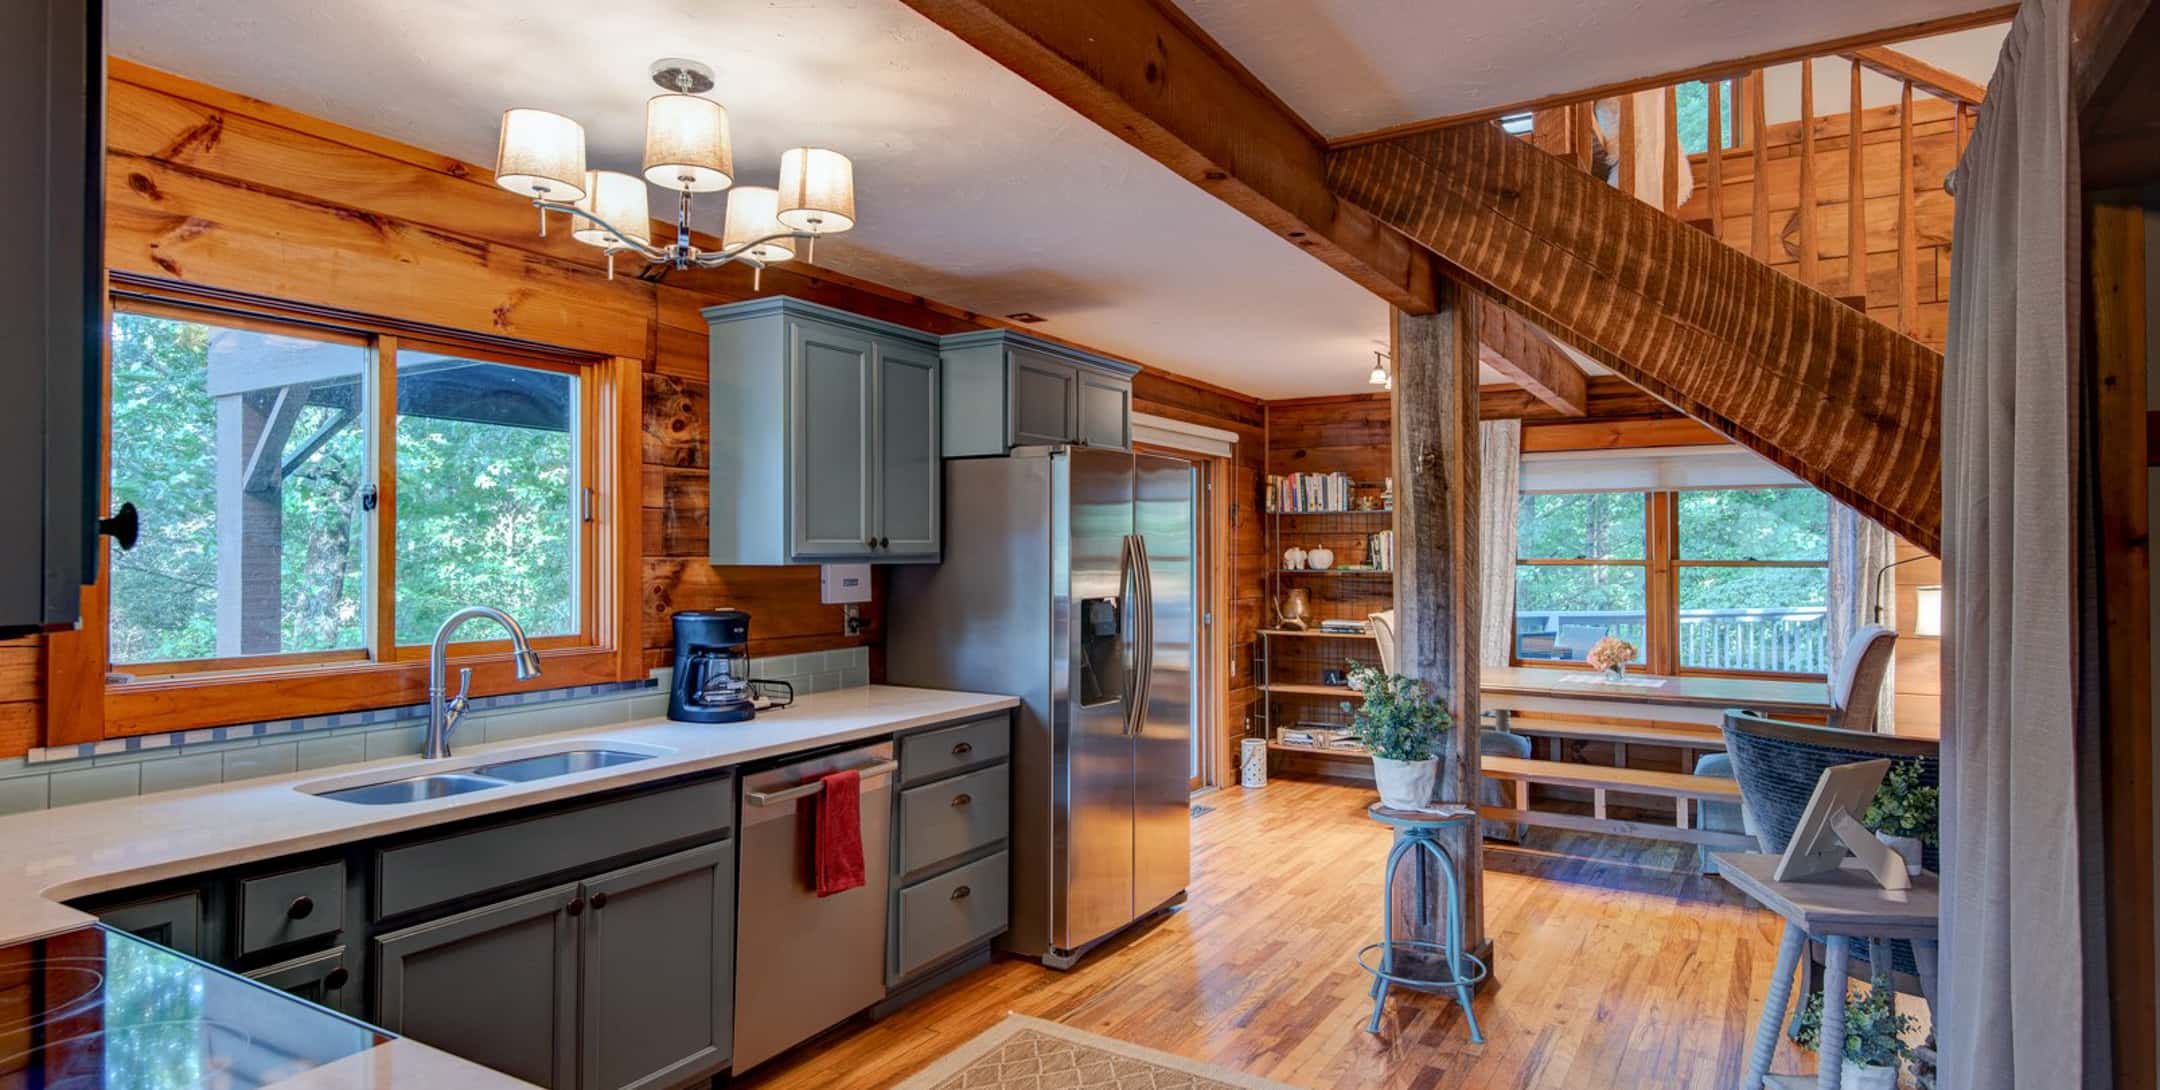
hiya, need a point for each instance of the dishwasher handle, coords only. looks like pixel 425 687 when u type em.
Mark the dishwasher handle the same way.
pixel 817 786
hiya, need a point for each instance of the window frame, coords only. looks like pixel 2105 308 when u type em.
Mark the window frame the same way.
pixel 1661 599
pixel 211 692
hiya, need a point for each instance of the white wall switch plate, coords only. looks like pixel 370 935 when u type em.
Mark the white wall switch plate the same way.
pixel 841 583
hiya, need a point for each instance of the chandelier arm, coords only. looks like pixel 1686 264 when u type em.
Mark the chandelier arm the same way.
pixel 622 240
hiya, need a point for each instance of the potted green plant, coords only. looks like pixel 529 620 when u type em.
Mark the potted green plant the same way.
pixel 1903 813
pixel 1402 725
pixel 1874 1037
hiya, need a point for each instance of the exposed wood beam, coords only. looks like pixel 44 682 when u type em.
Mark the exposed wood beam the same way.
pixel 1905 67
pixel 1608 396
pixel 1144 72
pixel 1734 66
pixel 1840 400
pixel 2113 43
pixel 1525 354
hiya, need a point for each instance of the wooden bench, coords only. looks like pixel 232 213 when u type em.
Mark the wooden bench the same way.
pixel 1681 787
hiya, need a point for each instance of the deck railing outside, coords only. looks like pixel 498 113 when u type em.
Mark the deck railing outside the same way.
pixel 1774 640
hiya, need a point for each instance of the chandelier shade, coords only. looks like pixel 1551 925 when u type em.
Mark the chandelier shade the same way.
pixel 621 201
pixel 541 155
pixel 817 191
pixel 751 215
pixel 686 144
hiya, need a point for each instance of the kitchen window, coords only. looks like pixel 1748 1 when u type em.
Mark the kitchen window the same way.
pixel 317 495
pixel 1718 581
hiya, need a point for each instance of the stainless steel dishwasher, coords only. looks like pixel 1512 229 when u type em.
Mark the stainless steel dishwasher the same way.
pixel 802 962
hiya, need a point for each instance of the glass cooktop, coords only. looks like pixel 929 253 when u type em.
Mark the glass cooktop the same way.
pixel 102 1009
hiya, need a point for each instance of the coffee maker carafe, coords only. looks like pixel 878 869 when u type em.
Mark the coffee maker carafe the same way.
pixel 712 667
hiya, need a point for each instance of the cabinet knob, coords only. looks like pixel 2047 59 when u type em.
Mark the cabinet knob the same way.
pixel 870 541
pixel 599 900
pixel 336 978
pixel 962 799
pixel 961 893
pixel 962 749
pixel 576 907
pixel 301 908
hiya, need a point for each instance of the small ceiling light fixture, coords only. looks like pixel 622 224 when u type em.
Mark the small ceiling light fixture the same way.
pixel 1380 375
pixel 688 150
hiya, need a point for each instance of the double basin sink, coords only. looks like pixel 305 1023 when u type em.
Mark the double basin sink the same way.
pixel 500 772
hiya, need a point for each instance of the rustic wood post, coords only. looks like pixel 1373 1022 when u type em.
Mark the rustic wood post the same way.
pixel 1436 543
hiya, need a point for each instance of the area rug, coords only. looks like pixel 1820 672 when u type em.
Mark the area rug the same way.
pixel 1022 1053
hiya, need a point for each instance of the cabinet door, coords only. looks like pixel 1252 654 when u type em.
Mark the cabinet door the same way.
pixel 324 979
pixel 1042 399
pixel 658 970
pixel 1105 411
pixel 496 985
pixel 907 446
pixel 830 471
pixel 173 922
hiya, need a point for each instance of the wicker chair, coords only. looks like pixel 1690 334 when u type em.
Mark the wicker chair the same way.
pixel 1778 764
pixel 1496 743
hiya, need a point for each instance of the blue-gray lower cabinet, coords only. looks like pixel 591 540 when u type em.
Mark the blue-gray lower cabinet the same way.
pixel 950 872
pixel 621 981
pixel 497 985
pixel 174 921
pixel 326 979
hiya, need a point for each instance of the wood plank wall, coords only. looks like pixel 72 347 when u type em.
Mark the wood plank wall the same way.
pixel 215 189
pixel 1935 151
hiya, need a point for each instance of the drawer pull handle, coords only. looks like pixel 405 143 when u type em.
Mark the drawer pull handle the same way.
pixel 599 900
pixel 961 893
pixel 962 799
pixel 963 749
pixel 576 907
pixel 301 908
pixel 336 978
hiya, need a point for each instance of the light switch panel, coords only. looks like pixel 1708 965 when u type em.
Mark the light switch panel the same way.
pixel 841 583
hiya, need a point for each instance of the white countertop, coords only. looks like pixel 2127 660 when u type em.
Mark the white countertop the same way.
pixel 50 856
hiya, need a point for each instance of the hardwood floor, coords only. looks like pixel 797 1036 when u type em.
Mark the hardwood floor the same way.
pixel 1619 967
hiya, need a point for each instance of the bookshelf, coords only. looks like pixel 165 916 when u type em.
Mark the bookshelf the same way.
pixel 1301 671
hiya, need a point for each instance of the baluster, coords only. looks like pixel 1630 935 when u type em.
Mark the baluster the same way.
pixel 1855 198
pixel 1716 158
pixel 1809 245
pixel 1908 258
pixel 1672 150
pixel 1759 199
pixel 1626 164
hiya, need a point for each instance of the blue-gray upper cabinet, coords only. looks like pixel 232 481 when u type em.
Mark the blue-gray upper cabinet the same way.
pixel 1005 389
pixel 825 436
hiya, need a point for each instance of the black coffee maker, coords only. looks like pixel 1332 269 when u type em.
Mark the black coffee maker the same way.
pixel 712 667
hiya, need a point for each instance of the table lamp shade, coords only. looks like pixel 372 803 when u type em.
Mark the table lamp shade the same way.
pixel 686 144
pixel 620 200
pixel 541 155
pixel 817 191
pixel 751 214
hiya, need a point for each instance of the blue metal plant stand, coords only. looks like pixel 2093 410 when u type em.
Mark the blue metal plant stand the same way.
pixel 1416 834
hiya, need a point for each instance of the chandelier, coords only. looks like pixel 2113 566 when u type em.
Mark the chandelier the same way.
pixel 542 156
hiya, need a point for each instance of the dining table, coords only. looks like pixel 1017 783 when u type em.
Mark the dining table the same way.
pixel 1692 698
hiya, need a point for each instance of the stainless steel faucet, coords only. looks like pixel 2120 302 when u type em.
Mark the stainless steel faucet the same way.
pixel 443 714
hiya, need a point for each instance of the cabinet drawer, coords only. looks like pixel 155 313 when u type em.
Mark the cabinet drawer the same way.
pixel 173 921
pixel 463 864
pixel 927 756
pixel 323 979
pixel 947 913
pixel 276 909
pixel 953 817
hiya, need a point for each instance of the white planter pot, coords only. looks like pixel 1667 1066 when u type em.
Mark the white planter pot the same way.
pixel 1907 847
pixel 1406 785
pixel 1856 1077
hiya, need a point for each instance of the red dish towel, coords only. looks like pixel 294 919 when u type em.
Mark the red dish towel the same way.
pixel 839 833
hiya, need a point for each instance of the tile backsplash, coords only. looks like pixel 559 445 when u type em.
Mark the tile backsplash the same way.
pixel 62 775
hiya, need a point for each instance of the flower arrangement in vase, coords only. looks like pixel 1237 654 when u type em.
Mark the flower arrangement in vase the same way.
pixel 1904 812
pixel 1612 655
pixel 1874 1037
pixel 1402 725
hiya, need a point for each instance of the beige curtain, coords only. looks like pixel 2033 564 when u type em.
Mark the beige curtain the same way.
pixel 2023 1001
pixel 1499 465
pixel 1860 549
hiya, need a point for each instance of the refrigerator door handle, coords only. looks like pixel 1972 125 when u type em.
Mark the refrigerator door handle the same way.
pixel 1143 674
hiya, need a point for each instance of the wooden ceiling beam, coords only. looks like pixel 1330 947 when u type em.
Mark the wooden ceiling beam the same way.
pixel 1528 357
pixel 1734 66
pixel 1904 67
pixel 1145 73
pixel 2118 89
pixel 1840 400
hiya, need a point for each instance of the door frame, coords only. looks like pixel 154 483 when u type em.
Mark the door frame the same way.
pixel 1211 525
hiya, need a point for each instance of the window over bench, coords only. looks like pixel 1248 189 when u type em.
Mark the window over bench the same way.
pixel 316 496
pixel 1723 581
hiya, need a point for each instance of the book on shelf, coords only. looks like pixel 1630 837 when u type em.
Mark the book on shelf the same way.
pixel 1380 550
pixel 1309 737
pixel 1300 493
pixel 1352 628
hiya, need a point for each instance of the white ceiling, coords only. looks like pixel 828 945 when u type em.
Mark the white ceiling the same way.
pixel 1350 66
pixel 975 188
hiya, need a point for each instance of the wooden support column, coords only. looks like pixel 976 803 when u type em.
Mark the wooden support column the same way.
pixel 1435 410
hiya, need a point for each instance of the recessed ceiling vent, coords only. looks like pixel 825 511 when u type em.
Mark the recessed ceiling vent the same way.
pixel 1025 317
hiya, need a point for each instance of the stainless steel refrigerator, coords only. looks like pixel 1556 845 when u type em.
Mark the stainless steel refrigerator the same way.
pixel 1069 581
